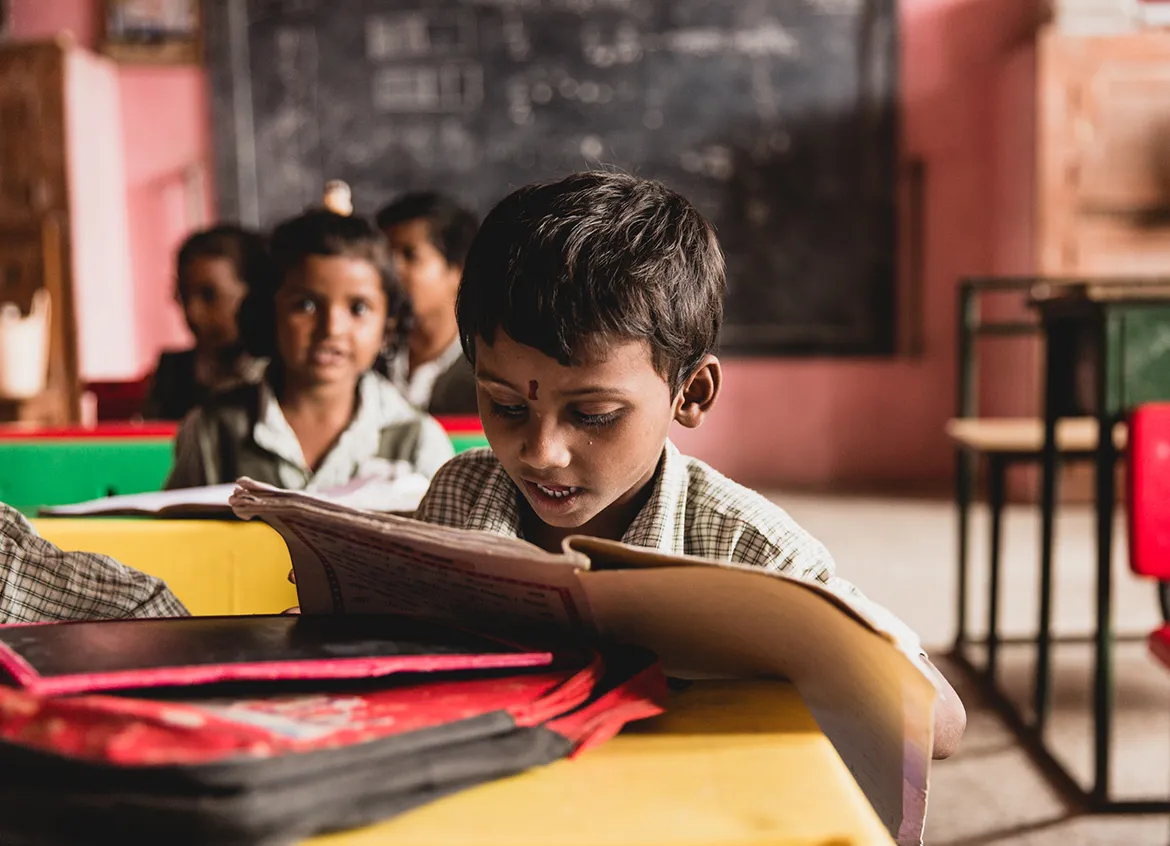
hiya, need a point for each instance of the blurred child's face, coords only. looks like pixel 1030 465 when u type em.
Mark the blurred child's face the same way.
pixel 210 292
pixel 330 320
pixel 581 442
pixel 430 281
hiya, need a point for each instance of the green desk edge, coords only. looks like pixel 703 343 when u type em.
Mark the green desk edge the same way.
pixel 59 472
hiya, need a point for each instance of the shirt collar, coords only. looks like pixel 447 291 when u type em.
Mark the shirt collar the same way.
pixel 417 386
pixel 273 433
pixel 661 523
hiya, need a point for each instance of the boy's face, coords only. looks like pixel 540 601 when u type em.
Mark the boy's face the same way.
pixel 210 292
pixel 430 281
pixel 330 320
pixel 580 442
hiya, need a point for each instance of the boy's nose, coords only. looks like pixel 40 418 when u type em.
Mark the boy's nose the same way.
pixel 333 322
pixel 545 446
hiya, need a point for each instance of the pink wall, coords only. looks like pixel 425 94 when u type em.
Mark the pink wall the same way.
pixel 967 80
pixel 165 131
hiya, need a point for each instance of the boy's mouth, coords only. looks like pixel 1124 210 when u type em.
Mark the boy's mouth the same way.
pixel 557 491
pixel 553 498
pixel 326 356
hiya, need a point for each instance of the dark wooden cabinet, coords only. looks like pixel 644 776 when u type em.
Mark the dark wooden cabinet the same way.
pixel 63 214
pixel 1104 155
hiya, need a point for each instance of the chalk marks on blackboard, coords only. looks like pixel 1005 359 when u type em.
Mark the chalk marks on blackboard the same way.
pixel 836 7
pixel 452 87
pixel 622 47
pixel 769 39
pixel 420 62
pixel 592 148
pixel 516 37
pixel 713 161
pixel 627 45
pixel 413 35
pixel 775 117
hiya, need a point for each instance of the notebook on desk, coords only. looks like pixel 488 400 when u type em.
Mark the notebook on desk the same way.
pixel 65 658
pixel 398 496
pixel 271 765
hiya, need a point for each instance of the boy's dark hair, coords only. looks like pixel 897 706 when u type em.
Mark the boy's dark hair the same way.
pixel 319 232
pixel 245 249
pixel 452 227
pixel 566 265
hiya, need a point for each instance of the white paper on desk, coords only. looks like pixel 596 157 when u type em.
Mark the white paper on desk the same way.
pixel 856 667
pixel 206 500
pixel 401 494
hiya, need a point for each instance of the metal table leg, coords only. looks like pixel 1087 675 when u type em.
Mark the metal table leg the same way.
pixel 996 484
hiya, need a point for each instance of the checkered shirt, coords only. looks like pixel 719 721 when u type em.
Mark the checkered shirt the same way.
pixel 41 583
pixel 693 510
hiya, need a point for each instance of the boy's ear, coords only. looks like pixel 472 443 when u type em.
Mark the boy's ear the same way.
pixel 699 393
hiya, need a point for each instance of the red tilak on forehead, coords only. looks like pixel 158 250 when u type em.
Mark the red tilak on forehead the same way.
pixel 532 386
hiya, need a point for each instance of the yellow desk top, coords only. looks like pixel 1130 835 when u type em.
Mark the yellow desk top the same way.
pixel 730 763
pixel 213 566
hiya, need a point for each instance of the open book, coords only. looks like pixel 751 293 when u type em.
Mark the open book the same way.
pixel 399 495
pixel 858 669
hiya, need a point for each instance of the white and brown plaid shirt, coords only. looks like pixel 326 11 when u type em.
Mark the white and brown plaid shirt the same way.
pixel 41 583
pixel 693 510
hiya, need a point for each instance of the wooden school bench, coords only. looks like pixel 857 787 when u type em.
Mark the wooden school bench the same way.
pixel 731 763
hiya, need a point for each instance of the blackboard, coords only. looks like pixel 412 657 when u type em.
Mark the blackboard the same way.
pixel 777 118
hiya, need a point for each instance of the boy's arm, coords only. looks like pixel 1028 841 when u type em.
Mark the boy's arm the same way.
pixel 41 583
pixel 950 717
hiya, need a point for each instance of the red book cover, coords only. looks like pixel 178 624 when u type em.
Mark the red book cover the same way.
pixel 62 658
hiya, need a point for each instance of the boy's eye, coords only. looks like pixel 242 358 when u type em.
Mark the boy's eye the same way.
pixel 359 308
pixel 598 421
pixel 510 412
pixel 305 305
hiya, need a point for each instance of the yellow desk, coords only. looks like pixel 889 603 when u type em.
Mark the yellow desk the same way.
pixel 214 567
pixel 730 763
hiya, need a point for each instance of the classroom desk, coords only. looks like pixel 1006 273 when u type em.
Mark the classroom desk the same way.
pixel 64 465
pixel 1118 330
pixel 730 763
pixel 213 566
pixel 60 466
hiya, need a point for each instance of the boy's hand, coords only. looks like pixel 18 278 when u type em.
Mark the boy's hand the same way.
pixel 296 609
pixel 950 720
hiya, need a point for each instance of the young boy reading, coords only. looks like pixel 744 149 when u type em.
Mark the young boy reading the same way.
pixel 40 583
pixel 590 310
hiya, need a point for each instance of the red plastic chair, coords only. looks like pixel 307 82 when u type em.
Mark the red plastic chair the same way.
pixel 1148 501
